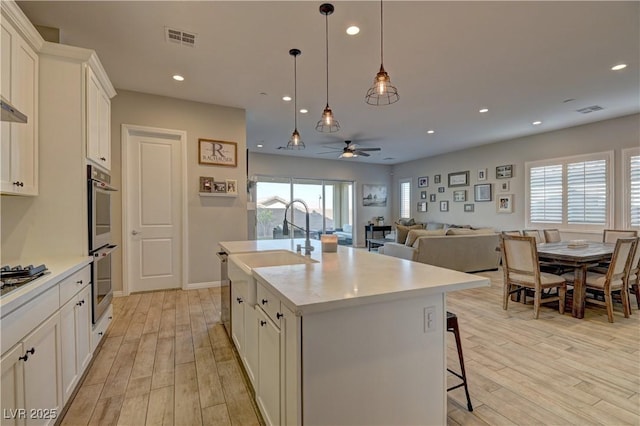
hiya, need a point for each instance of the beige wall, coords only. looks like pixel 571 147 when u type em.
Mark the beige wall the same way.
pixel 614 134
pixel 210 219
pixel 350 170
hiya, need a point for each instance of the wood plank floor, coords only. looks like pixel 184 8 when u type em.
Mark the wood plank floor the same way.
pixel 166 360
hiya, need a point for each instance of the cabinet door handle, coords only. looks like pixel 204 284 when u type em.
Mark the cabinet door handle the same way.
pixel 103 159
pixel 110 318
pixel 79 282
pixel 79 303
pixel 31 351
pixel 18 183
pixel 265 301
pixel 239 299
pixel 262 323
pixel 23 358
pixel 279 315
pixel 100 333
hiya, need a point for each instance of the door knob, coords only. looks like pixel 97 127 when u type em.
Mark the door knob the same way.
pixel 134 232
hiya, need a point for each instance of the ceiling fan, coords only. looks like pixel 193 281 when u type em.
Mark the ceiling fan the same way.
pixel 352 150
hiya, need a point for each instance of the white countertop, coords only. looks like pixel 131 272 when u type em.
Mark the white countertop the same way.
pixel 59 269
pixel 350 277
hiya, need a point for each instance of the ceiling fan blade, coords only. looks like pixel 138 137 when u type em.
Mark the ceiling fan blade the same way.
pixel 369 149
pixel 329 152
pixel 360 153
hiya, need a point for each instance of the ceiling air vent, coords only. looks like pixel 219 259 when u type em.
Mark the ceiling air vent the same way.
pixel 589 109
pixel 180 37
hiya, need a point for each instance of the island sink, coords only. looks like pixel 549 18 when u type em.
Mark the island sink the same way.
pixel 249 261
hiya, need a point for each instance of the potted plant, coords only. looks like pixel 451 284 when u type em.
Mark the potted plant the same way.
pixel 380 220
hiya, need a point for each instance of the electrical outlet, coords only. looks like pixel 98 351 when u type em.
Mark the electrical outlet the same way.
pixel 429 319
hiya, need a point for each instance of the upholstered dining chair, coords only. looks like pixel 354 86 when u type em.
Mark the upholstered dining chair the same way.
pixel 615 280
pixel 611 235
pixel 521 271
pixel 516 232
pixel 552 236
pixel 633 280
pixel 533 233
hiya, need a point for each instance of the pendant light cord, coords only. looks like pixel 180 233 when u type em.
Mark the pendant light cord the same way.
pixel 381 35
pixel 295 92
pixel 326 38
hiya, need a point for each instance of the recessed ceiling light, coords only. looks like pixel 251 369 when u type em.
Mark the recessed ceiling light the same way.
pixel 618 67
pixel 178 77
pixel 304 111
pixel 431 131
pixel 286 98
pixel 259 145
pixel 537 123
pixel 353 30
pixel 483 110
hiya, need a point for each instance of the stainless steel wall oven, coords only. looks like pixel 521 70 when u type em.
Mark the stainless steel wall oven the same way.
pixel 100 247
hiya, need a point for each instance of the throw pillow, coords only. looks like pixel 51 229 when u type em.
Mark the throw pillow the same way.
pixel 414 234
pixel 434 225
pixel 406 222
pixel 402 231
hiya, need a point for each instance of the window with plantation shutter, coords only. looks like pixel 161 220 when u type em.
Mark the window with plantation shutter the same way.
pixel 405 198
pixel 571 192
pixel 631 187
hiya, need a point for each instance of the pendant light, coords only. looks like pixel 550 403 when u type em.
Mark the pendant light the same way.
pixel 328 123
pixel 382 92
pixel 296 141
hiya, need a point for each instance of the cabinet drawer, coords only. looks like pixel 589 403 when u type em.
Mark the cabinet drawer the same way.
pixel 269 303
pixel 70 286
pixel 20 322
pixel 100 329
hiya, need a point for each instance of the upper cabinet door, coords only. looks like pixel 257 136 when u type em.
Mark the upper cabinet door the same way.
pixel 19 141
pixel 98 122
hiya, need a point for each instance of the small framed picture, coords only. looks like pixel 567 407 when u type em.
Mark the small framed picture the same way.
pixel 441 189
pixel 432 198
pixel 206 184
pixel 504 203
pixel 423 182
pixel 468 208
pixel 460 195
pixel 423 195
pixel 458 179
pixel 220 187
pixel 422 206
pixel 482 192
pixel 482 174
pixel 436 179
pixel 232 186
pixel 504 172
pixel 444 206
pixel 503 186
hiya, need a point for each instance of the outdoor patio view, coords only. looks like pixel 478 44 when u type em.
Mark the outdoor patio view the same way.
pixel 330 208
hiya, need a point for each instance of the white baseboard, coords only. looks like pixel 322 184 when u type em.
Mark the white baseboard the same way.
pixel 118 293
pixel 210 284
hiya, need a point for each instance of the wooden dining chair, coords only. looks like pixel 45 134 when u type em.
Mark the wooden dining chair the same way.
pixel 552 236
pixel 611 235
pixel 515 232
pixel 533 233
pixel 615 280
pixel 521 272
pixel 633 279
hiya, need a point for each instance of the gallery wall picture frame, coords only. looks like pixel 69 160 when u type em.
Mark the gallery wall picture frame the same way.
pixel 482 174
pixel 504 172
pixel 469 208
pixel 206 184
pixel 219 187
pixel 444 206
pixel 460 195
pixel 423 195
pixel 432 198
pixel 423 182
pixel 232 186
pixel 217 153
pixel 458 179
pixel 503 186
pixel 482 192
pixel 422 206
pixel 436 179
pixel 504 203
pixel 441 189
pixel 374 195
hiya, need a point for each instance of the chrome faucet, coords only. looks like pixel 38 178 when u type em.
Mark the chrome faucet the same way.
pixel 308 248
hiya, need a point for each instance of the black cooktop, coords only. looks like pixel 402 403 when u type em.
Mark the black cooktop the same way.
pixel 13 277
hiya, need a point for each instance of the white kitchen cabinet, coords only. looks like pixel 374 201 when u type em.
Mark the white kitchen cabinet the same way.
pixel 251 357
pixel 19 141
pixel 268 395
pixel 12 396
pixel 100 328
pixel 98 122
pixel 75 321
pixel 238 303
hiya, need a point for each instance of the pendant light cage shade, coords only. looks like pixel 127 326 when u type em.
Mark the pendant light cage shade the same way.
pixel 296 141
pixel 328 123
pixel 382 92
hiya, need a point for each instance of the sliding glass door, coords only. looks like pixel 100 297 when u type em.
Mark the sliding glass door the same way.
pixel 330 205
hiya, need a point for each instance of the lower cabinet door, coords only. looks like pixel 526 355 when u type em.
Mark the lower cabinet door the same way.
pixel 83 329
pixel 68 347
pixel 12 396
pixel 268 392
pixel 251 358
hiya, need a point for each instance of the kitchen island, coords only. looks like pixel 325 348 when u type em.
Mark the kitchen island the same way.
pixel 349 337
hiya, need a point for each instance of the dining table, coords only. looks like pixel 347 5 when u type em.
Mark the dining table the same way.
pixel 579 257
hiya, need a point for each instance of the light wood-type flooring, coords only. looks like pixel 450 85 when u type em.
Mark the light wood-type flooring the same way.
pixel 166 360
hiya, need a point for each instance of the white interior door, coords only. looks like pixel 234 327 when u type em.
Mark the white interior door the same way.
pixel 154 211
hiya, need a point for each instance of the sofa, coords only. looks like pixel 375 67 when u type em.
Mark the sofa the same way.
pixel 461 249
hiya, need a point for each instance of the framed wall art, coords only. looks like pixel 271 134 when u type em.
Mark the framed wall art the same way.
pixel 504 203
pixel 423 195
pixel 220 187
pixel 374 195
pixel 423 182
pixel 436 179
pixel 232 186
pixel 482 174
pixel 504 172
pixel 482 192
pixel 422 206
pixel 206 184
pixel 460 195
pixel 469 208
pixel 217 153
pixel 458 179
pixel 432 198
pixel 441 189
pixel 444 206
pixel 504 186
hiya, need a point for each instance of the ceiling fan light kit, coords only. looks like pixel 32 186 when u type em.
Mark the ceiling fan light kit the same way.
pixel 382 92
pixel 328 123
pixel 296 141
